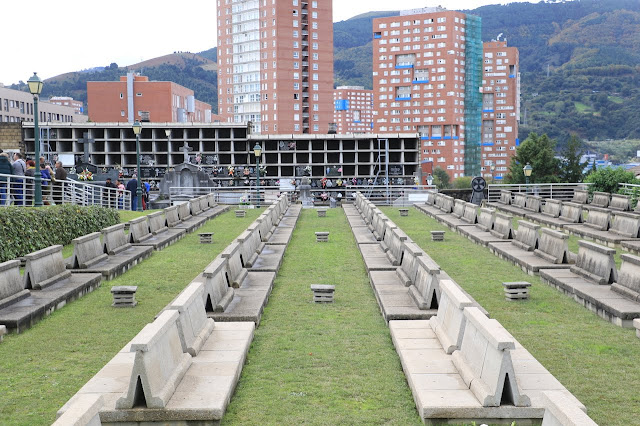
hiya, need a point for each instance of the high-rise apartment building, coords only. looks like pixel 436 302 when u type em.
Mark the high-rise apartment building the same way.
pixel 275 64
pixel 353 109
pixel 427 73
pixel 500 108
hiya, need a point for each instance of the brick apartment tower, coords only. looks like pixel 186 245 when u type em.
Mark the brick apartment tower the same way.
pixel 427 72
pixel 500 108
pixel 353 109
pixel 275 64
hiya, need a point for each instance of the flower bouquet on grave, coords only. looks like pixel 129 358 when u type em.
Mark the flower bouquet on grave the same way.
pixel 231 170
pixel 86 175
pixel 263 170
pixel 307 170
pixel 324 196
pixel 244 199
pixel 293 182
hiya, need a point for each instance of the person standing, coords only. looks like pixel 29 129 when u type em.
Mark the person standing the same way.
pixel 121 189
pixel 46 181
pixel 19 169
pixel 60 177
pixel 111 196
pixel 5 181
pixel 132 186
pixel 31 169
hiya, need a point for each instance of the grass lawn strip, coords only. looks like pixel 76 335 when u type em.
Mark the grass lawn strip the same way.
pixel 596 360
pixel 43 367
pixel 322 363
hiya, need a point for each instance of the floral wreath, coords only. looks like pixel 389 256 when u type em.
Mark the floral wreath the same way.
pixel 85 175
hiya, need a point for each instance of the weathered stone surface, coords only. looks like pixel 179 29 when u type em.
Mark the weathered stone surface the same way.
pixel 159 365
pixel 626 224
pixel 87 251
pixel 571 212
pixel 485 219
pixel 620 202
pixel 470 215
pixel 553 246
pixel 171 214
pixel 450 321
pixel 561 410
pixel 595 263
pixel 628 283
pixel 503 226
pixel 141 234
pixel 458 208
pixel 552 208
pixel 194 327
pixel 11 283
pixel 85 411
pixel 484 362
pixel 600 199
pixel 527 235
pixel 533 203
pixel 580 196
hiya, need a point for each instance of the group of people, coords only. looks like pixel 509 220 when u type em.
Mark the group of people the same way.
pixel 131 186
pixel 13 184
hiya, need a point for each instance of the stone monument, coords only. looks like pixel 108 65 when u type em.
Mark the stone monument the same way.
pixel 478 184
pixel 305 192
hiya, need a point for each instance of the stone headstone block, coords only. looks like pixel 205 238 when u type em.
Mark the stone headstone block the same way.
pixel 157 222
pixel 139 230
pixel 571 212
pixel 561 410
pixel 470 213
pixel 159 364
pixel 551 207
pixel 553 246
pixel 84 411
pixel 580 196
pixel 450 321
pixel 114 239
pixel 534 203
pixel 11 283
pixel 620 202
pixel 595 262
pixel 218 292
pixel 171 213
pixel 44 267
pixel 519 199
pixel 600 199
pixel 458 208
pixel 484 361
pixel 485 219
pixel 505 197
pixel 184 211
pixel 87 251
pixel 629 277
pixel 599 218
pixel 503 226
pixel 527 235
pixel 194 327
pixel 626 224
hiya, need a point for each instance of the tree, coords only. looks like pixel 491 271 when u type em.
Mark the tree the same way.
pixel 607 179
pixel 572 169
pixel 462 182
pixel 440 178
pixel 539 151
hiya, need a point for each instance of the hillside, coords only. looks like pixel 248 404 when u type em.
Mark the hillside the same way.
pixel 187 69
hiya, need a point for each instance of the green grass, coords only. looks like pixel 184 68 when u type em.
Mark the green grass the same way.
pixel 43 367
pixel 615 99
pixel 593 358
pixel 322 363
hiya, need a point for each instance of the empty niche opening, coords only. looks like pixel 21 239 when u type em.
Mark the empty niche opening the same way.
pixel 507 393
pixel 208 306
pixel 434 301
pixel 139 400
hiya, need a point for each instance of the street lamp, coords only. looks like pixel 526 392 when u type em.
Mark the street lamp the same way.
pixel 137 128
pixel 493 171
pixel 35 87
pixel 429 179
pixel 257 150
pixel 527 172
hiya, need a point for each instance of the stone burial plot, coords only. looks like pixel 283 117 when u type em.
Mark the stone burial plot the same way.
pixel 489 228
pixel 181 368
pixel 462 366
pixel 531 252
pixel 188 219
pixel 150 230
pixel 595 283
pixel 431 206
pixel 209 208
pixel 464 214
pixel 623 227
pixel 89 256
pixel 46 286
pixel 599 200
pixel 517 206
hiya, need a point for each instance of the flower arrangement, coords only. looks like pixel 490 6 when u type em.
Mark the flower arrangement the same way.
pixel 324 196
pixel 293 182
pixel 231 170
pixel 85 175
pixel 307 169
pixel 263 170
pixel 246 172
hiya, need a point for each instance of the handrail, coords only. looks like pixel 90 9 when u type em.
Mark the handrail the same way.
pixel 556 191
pixel 380 194
pixel 19 191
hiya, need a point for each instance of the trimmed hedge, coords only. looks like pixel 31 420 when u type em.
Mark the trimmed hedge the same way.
pixel 24 230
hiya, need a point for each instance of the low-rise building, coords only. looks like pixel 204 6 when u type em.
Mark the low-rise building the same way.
pixel 17 106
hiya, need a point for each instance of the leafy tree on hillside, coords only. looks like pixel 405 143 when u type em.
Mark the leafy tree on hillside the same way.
pixel 572 168
pixel 606 179
pixel 539 151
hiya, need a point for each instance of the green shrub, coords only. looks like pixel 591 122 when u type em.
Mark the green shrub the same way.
pixel 462 182
pixel 24 229
pixel 606 179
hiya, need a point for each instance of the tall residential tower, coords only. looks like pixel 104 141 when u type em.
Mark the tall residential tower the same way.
pixel 427 74
pixel 275 64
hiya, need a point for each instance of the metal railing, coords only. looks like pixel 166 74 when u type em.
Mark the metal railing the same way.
pixel 556 191
pixel 19 191
pixel 396 195
pixel 630 189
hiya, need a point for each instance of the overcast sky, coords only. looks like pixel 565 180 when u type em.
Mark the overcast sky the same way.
pixel 54 37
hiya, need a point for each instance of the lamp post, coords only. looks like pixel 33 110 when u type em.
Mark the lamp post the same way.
pixel 35 87
pixel 429 179
pixel 137 128
pixel 493 171
pixel 257 150
pixel 527 173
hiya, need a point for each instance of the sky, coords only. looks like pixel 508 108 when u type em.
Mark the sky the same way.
pixel 54 37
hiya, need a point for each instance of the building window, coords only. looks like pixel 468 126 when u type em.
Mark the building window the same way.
pixel 122 113
pixel 138 94
pixel 121 96
pixel 316 128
